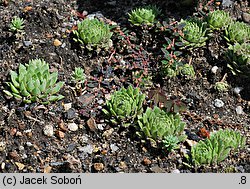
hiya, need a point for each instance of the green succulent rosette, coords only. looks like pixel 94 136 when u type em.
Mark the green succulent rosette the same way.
pixel 156 125
pixel 216 148
pixel 124 105
pixel 238 32
pixel 218 19
pixel 194 33
pixel 34 83
pixel 238 56
pixel 93 33
pixel 145 15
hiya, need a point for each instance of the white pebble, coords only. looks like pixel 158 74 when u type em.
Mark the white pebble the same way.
pixel 72 127
pixel 239 110
pixel 29 144
pixel 218 103
pixel 67 106
pixel 87 149
pixel 214 69
pixel 48 130
pixel 114 148
pixel 176 171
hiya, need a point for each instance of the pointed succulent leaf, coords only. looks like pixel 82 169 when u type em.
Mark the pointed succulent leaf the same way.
pixel 14 79
pixel 8 93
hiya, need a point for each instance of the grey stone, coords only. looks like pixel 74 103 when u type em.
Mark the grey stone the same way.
pixel 71 113
pixel 227 3
pixel 27 43
pixel 237 90
pixel 246 17
pixel 112 3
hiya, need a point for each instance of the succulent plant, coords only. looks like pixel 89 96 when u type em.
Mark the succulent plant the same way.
pixel 124 105
pixel 221 86
pixel 238 56
pixel 194 32
pixel 238 32
pixel 78 75
pixel 144 15
pixel 155 125
pixel 216 148
pixel 187 71
pixel 34 83
pixel 168 72
pixel 17 24
pixel 170 142
pixel 93 33
pixel 219 19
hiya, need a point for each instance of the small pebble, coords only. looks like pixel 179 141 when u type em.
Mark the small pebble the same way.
pixel 67 106
pixel 27 43
pixel 239 110
pixel 2 146
pixel 21 148
pixel 100 101
pixel 20 166
pixel 19 134
pixel 84 139
pixel 60 134
pixel 218 103
pixel 108 133
pixel 24 156
pixel 112 3
pixel 71 147
pixel 72 127
pixel 227 3
pixel 98 166
pixel 147 161
pixel 214 69
pixel 3 166
pixel 176 171
pixel 29 144
pixel 122 165
pixel 240 169
pixel 91 124
pixel 63 45
pixel 100 126
pixel 114 148
pixel 48 130
pixel 246 17
pixel 71 113
pixel 57 43
pixel 86 149
pixel 237 90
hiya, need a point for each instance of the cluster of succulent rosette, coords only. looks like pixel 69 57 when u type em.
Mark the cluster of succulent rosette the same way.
pixel 34 83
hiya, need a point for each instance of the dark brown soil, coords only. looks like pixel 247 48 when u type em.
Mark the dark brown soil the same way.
pixel 98 146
